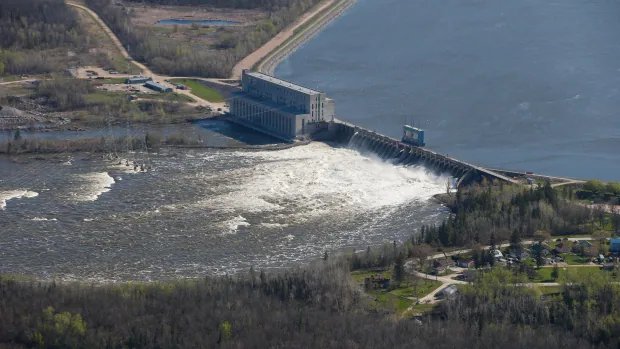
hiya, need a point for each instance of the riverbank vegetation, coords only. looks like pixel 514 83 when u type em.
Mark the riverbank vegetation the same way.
pixel 168 56
pixel 82 104
pixel 514 212
pixel 600 192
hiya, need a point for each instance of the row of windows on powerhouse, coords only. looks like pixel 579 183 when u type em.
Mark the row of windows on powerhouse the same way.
pixel 239 105
pixel 282 100
pixel 322 113
pixel 276 122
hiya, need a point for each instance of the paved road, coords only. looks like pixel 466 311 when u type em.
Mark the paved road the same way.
pixel 17 81
pixel 249 61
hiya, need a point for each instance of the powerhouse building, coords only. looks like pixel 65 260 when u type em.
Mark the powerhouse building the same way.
pixel 278 107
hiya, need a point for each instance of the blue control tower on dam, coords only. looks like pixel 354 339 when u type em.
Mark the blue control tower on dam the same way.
pixel 413 135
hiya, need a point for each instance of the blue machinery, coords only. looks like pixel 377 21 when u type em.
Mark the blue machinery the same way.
pixel 413 136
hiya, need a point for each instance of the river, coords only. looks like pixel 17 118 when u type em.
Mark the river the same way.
pixel 525 85
pixel 203 211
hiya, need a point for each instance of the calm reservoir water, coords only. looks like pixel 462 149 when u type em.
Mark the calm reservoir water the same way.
pixel 527 85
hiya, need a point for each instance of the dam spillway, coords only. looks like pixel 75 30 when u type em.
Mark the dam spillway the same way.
pixel 391 149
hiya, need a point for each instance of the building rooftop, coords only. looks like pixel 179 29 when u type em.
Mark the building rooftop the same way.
pixel 153 84
pixel 283 83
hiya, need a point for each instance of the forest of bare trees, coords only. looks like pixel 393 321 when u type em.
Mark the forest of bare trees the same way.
pixel 36 35
pixel 173 58
pixel 271 5
pixel 315 307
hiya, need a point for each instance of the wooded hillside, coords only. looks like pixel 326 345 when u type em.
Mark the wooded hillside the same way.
pixel 30 29
pixel 178 59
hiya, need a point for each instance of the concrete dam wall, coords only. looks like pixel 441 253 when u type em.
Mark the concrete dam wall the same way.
pixel 390 149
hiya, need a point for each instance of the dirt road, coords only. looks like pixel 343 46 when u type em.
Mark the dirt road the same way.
pixel 161 79
pixel 247 63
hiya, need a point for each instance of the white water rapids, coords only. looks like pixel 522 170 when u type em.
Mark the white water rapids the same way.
pixel 208 212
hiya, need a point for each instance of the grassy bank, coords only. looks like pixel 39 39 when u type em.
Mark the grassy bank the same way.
pixel 200 90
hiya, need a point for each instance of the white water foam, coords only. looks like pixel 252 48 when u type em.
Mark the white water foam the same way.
pixel 231 226
pixel 306 182
pixel 92 185
pixel 317 179
pixel 15 194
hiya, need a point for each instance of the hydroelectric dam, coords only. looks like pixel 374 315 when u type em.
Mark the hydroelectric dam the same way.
pixel 391 149
pixel 290 112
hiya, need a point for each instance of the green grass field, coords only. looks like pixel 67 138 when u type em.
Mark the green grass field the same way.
pixel 424 287
pixel 573 259
pixel 396 299
pixel 200 90
pixel 544 274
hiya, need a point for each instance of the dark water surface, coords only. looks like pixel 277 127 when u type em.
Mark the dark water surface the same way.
pixel 203 211
pixel 527 85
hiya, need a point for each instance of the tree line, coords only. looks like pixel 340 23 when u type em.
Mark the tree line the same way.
pixel 313 307
pixel 173 58
pixel 29 29
pixel 505 211
pixel 270 5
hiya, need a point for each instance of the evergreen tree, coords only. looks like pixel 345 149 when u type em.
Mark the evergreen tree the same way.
pixel 556 272
pixel 398 273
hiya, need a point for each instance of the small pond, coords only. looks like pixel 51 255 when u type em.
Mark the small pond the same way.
pixel 201 22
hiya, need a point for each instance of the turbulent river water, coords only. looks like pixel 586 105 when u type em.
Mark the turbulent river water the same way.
pixel 527 85
pixel 203 211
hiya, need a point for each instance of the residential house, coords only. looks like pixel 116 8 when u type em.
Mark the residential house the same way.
pixel 440 265
pixel 562 247
pixel 447 292
pixel 544 252
pixel 583 243
pixel 614 246
pixel 519 253
pixel 465 263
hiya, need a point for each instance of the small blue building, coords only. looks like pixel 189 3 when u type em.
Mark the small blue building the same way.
pixel 157 87
pixel 614 246
pixel 137 80
pixel 413 136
